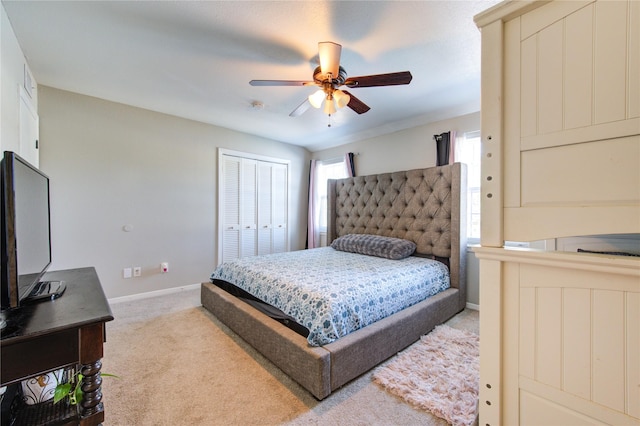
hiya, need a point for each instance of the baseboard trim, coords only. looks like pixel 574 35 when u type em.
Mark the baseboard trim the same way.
pixel 155 293
pixel 473 306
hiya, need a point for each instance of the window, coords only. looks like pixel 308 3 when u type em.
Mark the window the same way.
pixel 468 151
pixel 325 170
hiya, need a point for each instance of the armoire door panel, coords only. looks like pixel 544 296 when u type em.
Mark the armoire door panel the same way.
pixel 578 76
pixel 608 349
pixel 576 335
pixel 550 78
pixel 610 61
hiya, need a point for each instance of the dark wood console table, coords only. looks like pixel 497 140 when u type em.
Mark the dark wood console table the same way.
pixel 68 331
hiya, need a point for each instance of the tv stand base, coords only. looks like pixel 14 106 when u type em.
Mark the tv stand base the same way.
pixel 46 290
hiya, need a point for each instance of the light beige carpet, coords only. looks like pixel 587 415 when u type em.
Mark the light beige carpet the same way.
pixel 178 365
pixel 440 374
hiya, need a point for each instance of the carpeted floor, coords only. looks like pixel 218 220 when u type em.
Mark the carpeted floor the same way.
pixel 178 365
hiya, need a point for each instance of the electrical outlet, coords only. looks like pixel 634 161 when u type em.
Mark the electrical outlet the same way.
pixel 126 273
pixel 137 271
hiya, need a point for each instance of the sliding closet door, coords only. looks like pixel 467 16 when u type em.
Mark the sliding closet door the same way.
pixel 239 212
pixel 248 207
pixel 279 208
pixel 265 217
pixel 272 207
pixel 229 217
pixel 253 205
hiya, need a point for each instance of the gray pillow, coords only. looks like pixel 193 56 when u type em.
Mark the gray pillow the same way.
pixel 375 245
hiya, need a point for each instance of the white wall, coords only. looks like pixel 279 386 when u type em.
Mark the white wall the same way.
pixel 113 165
pixel 405 150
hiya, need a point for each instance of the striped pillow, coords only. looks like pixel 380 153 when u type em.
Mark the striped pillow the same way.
pixel 375 245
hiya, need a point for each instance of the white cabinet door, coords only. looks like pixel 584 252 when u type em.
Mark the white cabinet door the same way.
pixel 253 197
pixel 272 207
pixel 29 130
pixel 248 207
pixel 265 206
pixel 279 208
pixel 230 209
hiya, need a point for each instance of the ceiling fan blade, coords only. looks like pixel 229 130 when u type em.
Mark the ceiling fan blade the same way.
pixel 300 109
pixel 391 79
pixel 329 55
pixel 356 104
pixel 281 83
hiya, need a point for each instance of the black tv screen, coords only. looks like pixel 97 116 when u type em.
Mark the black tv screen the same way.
pixel 26 229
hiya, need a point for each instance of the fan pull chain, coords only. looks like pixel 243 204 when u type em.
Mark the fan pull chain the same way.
pixel 329 123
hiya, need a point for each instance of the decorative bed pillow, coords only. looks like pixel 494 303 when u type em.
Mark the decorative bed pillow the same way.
pixel 375 245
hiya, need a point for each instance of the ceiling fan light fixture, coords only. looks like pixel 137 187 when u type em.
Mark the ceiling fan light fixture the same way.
pixel 316 99
pixel 329 107
pixel 329 76
pixel 329 55
pixel 342 99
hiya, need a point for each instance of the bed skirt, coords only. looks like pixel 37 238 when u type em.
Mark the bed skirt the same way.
pixel 324 369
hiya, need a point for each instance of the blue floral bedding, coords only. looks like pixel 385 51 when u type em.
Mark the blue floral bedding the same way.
pixel 333 293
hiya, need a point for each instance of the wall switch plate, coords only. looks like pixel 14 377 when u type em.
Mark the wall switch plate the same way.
pixel 137 271
pixel 126 273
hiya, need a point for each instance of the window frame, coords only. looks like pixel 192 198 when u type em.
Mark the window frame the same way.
pixel 321 189
pixel 473 182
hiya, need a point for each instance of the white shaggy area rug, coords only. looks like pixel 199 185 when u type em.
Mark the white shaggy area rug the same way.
pixel 440 374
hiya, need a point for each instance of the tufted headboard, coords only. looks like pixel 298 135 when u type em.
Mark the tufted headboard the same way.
pixel 426 206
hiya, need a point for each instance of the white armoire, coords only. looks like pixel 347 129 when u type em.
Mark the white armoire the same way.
pixel 559 331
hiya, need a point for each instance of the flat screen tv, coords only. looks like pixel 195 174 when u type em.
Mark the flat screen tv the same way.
pixel 26 234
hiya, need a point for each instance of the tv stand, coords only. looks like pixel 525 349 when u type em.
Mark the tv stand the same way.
pixel 45 290
pixel 63 332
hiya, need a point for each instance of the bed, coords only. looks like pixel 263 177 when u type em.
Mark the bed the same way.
pixel 422 206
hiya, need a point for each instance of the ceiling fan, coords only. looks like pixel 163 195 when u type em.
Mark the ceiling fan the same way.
pixel 330 76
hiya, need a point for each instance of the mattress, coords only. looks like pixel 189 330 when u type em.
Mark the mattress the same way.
pixel 331 292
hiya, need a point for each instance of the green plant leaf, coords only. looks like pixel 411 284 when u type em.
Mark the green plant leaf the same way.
pixel 78 394
pixel 109 375
pixel 61 392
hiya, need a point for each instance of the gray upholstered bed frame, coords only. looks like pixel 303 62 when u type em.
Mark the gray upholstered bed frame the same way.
pixel 426 206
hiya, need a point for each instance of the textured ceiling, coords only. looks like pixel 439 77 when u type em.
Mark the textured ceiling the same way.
pixel 195 59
